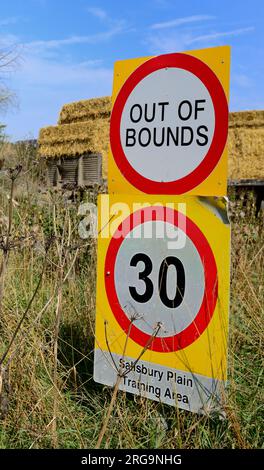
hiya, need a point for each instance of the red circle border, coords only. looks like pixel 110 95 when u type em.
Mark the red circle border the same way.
pixel 205 168
pixel 193 331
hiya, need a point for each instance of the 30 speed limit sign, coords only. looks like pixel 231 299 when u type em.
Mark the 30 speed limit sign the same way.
pixel 162 308
pixel 169 124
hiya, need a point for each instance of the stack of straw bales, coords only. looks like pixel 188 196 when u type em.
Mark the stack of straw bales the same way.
pixel 83 127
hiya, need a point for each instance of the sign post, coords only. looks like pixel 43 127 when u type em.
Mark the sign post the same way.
pixel 164 235
pixel 163 285
pixel 169 124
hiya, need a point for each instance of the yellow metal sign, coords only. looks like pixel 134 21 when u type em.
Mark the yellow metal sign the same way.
pixel 169 124
pixel 162 298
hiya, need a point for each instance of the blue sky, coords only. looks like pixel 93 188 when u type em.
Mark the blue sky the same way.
pixel 66 48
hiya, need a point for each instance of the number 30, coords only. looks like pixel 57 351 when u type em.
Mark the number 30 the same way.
pixel 162 281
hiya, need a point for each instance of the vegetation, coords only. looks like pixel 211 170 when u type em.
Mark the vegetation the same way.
pixel 2 133
pixel 47 305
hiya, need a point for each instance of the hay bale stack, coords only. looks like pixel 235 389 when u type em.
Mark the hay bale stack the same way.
pixel 75 139
pixel 86 110
pixel 83 127
pixel 246 145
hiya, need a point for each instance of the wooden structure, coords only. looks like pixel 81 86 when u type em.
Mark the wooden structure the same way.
pixel 84 170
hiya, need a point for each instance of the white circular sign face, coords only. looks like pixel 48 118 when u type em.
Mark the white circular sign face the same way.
pixel 167 125
pixel 156 283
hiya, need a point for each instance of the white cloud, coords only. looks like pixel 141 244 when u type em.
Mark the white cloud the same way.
pixel 104 17
pixel 181 21
pixel 98 12
pixel 38 72
pixel 73 40
pixel 8 40
pixel 217 35
pixel 160 43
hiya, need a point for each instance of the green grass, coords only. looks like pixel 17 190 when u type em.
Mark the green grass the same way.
pixel 28 389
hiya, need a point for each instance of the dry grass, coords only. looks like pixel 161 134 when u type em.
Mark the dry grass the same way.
pixel 43 385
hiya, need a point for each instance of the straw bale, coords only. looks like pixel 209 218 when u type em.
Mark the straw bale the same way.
pixel 246 119
pixel 246 145
pixel 85 110
pixel 76 139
